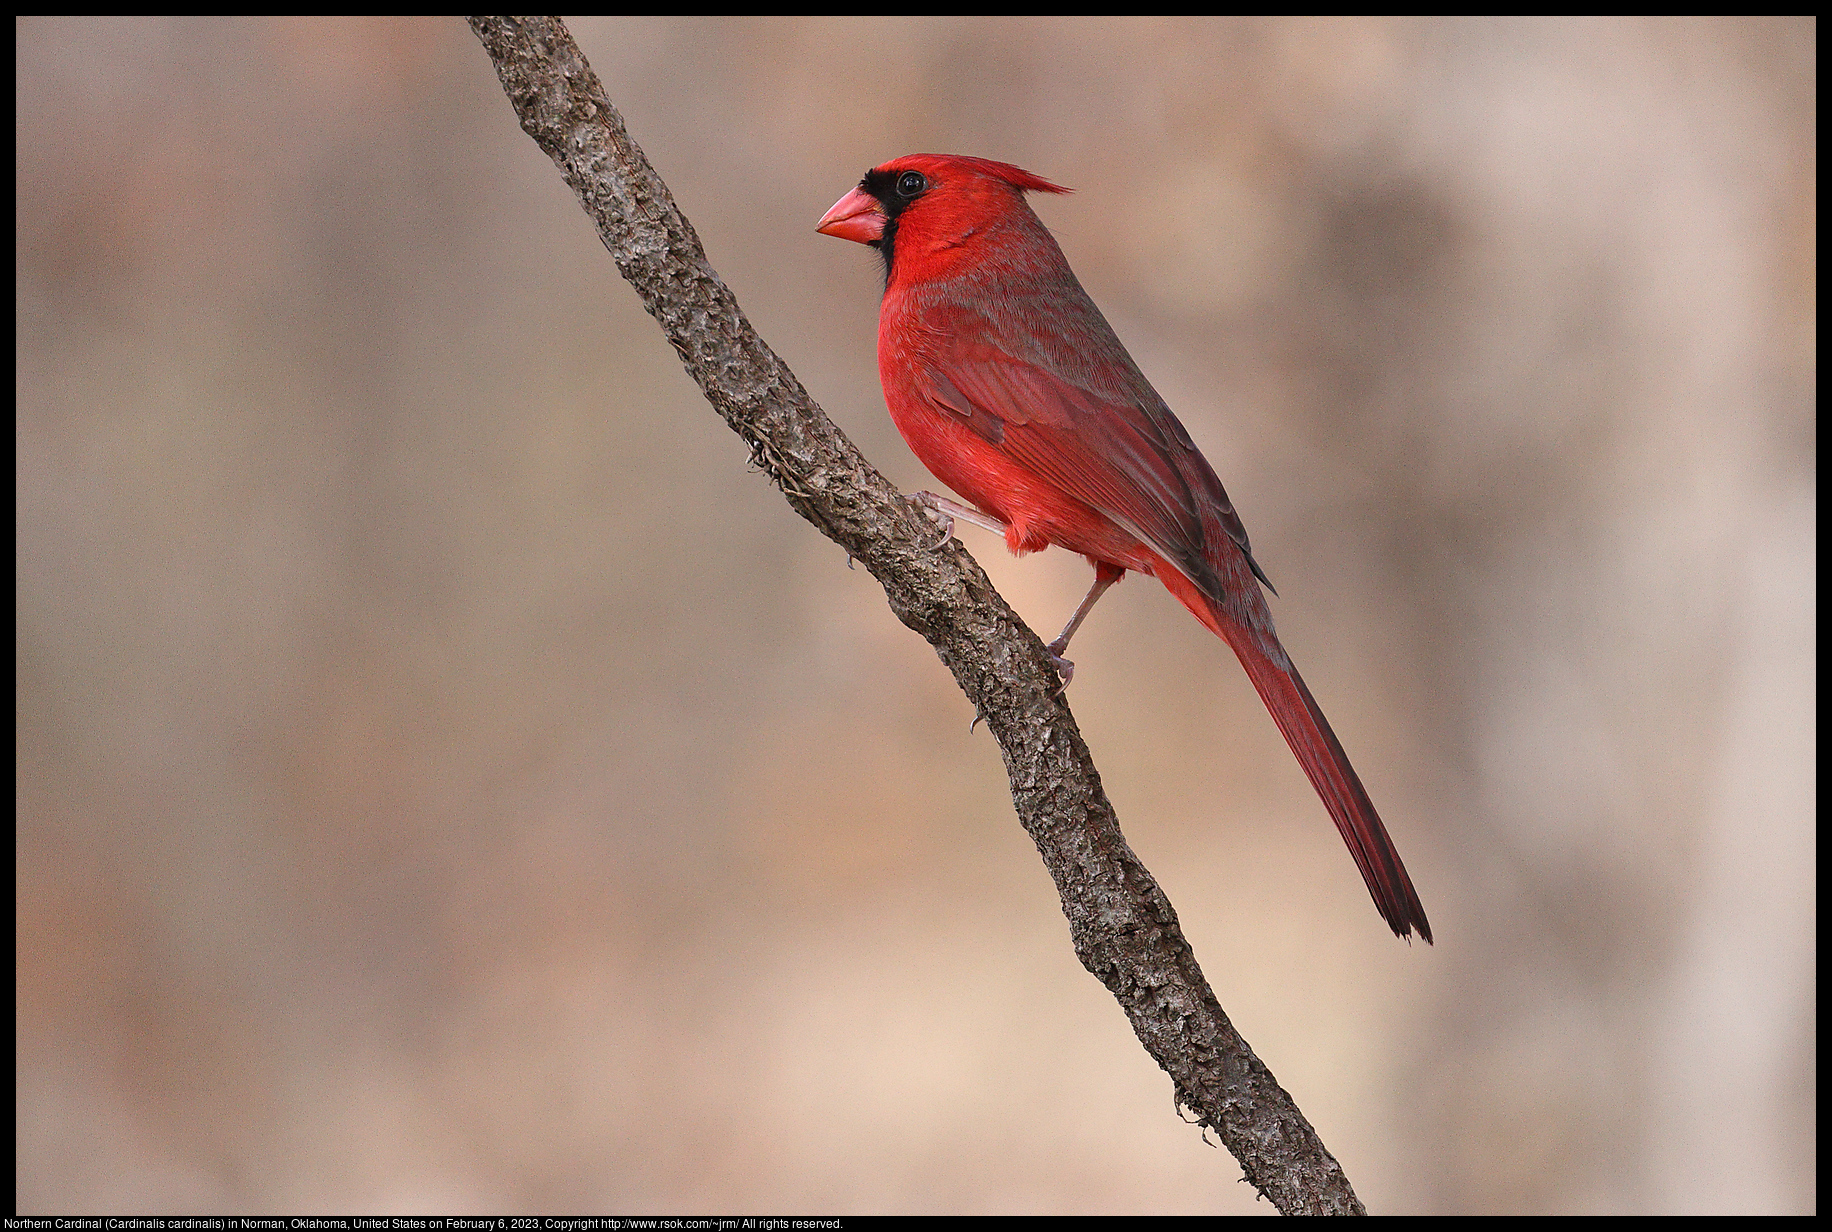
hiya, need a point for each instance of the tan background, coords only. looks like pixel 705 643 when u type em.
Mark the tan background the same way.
pixel 449 780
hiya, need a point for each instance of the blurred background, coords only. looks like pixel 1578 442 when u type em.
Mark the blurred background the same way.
pixel 449 780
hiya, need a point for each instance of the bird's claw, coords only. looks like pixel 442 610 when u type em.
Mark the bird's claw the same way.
pixel 1064 667
pixel 928 503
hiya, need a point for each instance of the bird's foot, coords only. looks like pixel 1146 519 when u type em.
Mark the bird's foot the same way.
pixel 931 506
pixel 943 511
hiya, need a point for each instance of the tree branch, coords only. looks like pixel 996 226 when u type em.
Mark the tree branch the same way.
pixel 1123 927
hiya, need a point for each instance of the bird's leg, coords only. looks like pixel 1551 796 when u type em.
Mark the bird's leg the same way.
pixel 1105 575
pixel 943 511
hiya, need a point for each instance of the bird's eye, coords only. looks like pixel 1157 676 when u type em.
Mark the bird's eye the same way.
pixel 912 184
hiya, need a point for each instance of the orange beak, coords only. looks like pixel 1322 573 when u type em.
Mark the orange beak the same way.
pixel 857 216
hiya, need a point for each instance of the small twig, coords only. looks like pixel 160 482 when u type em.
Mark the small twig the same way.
pixel 1123 927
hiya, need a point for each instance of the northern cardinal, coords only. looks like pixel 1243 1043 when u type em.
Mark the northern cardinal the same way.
pixel 1012 389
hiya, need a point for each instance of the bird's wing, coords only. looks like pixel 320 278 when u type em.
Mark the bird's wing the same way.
pixel 1118 448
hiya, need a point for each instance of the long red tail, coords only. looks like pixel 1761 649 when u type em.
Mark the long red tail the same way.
pixel 1320 753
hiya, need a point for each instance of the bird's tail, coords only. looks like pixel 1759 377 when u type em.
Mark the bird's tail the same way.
pixel 1320 753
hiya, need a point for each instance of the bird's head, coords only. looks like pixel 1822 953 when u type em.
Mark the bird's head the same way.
pixel 918 209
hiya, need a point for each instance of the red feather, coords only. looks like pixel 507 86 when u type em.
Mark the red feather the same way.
pixel 1012 389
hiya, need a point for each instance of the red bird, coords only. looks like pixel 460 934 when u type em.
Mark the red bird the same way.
pixel 1012 389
